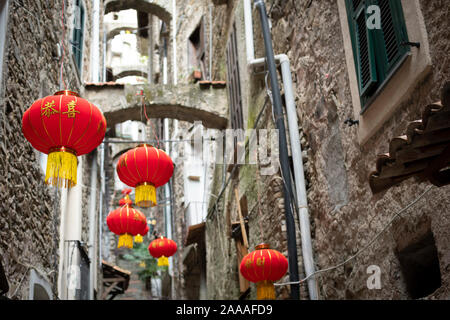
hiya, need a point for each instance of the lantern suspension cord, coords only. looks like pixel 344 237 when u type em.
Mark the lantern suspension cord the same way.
pixel 64 47
pixel 367 246
pixel 149 123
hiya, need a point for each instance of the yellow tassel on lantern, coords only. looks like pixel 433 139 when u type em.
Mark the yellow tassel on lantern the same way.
pixel 138 239
pixel 265 290
pixel 61 168
pixel 125 240
pixel 145 195
pixel 163 262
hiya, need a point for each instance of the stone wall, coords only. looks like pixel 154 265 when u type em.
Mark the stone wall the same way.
pixel 263 193
pixel 30 211
pixel 345 215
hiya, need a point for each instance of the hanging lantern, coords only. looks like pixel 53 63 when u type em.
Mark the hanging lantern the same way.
pixel 264 266
pixel 126 221
pixel 63 126
pixel 145 168
pixel 162 248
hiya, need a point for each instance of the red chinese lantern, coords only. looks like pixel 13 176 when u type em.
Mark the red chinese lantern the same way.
pixel 145 168
pixel 126 222
pixel 63 126
pixel 264 266
pixel 162 248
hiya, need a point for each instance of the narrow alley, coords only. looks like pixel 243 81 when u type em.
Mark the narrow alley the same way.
pixel 224 150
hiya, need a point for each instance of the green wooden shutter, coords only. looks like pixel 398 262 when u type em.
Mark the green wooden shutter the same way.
pixel 390 38
pixel 377 53
pixel 363 46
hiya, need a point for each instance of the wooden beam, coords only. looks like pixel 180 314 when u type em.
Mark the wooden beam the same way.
pixel 433 173
pixel 119 279
pixel 110 288
pixel 241 219
pixel 397 170
pixel 242 251
pixel 411 153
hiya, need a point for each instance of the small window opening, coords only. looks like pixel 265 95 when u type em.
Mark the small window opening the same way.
pixel 420 267
pixel 196 53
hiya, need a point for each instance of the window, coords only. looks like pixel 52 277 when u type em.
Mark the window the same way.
pixel 3 24
pixel 389 71
pixel 78 34
pixel 377 52
pixel 234 84
pixel 196 51
pixel 420 267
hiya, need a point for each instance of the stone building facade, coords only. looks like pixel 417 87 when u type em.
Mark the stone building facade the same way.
pixel 345 214
pixel 32 242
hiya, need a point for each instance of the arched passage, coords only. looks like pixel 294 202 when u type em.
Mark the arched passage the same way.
pixel 131 71
pixel 159 8
pixel 120 102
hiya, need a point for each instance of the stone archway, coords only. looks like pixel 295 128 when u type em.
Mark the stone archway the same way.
pixel 191 103
pixel 126 71
pixel 159 8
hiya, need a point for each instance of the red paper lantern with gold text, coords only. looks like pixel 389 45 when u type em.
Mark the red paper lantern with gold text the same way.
pixel 162 248
pixel 145 168
pixel 126 222
pixel 264 266
pixel 63 126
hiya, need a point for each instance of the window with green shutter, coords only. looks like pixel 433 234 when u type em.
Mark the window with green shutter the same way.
pixel 78 34
pixel 378 52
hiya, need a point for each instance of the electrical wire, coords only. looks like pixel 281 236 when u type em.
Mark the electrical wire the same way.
pixel 365 247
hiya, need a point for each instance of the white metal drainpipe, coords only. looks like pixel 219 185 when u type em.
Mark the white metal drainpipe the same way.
pixel 300 186
pixel 72 233
pixel 95 77
pixel 92 229
pixel 95 46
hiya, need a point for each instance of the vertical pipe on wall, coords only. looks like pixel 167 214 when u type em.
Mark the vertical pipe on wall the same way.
pixel 150 49
pixel 167 218
pixel 62 247
pixel 105 43
pixel 249 31
pixel 284 160
pixel 291 115
pixel 210 42
pixel 72 232
pixel 100 203
pixel 92 227
pixel 175 61
pixel 95 44
pixel 300 186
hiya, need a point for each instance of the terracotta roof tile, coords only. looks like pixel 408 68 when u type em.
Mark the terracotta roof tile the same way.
pixel 422 152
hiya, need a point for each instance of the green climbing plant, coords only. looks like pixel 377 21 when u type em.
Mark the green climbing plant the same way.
pixel 148 265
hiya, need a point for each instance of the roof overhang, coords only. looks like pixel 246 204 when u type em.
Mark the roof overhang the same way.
pixel 423 152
